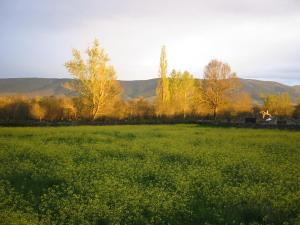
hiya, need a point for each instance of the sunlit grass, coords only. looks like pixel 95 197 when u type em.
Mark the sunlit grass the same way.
pixel 180 174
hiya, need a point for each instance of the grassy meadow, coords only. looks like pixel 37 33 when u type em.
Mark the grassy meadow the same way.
pixel 160 174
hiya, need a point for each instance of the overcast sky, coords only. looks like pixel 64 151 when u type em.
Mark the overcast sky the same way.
pixel 259 38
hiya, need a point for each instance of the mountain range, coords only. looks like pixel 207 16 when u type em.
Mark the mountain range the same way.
pixel 53 86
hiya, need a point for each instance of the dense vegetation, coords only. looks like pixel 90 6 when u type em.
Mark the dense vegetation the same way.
pixel 181 174
pixel 71 109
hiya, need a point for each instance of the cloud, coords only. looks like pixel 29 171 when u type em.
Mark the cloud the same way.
pixel 255 37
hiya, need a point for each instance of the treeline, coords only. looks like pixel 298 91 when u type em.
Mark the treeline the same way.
pixel 178 95
pixel 69 108
pixel 73 108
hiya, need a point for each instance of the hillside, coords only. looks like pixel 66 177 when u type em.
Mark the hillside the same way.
pixel 53 86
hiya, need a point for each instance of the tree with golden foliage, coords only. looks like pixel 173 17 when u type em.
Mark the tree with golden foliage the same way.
pixel 175 87
pixel 37 111
pixel 70 111
pixel 181 92
pixel 97 79
pixel 241 104
pixel 198 108
pixel 162 90
pixel 188 85
pixel 139 108
pixel 14 108
pixel 279 105
pixel 53 108
pixel 219 84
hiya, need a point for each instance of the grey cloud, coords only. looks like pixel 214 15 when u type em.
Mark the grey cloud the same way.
pixel 257 35
pixel 47 14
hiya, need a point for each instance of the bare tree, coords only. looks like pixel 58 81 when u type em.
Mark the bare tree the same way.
pixel 219 83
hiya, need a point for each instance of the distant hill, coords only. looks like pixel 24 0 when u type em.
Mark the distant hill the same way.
pixel 135 88
pixel 33 86
pixel 256 87
pixel 53 86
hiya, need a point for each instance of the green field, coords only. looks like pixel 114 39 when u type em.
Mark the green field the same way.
pixel 173 174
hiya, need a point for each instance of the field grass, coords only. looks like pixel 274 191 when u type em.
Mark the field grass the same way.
pixel 172 174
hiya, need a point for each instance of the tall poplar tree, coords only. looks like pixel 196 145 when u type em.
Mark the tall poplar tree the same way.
pixel 162 90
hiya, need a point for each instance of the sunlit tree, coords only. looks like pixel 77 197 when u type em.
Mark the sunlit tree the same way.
pixel 139 108
pixel 70 111
pixel 37 111
pixel 181 92
pixel 279 105
pixel 219 84
pixel 96 79
pixel 175 86
pixel 198 108
pixel 240 105
pixel 14 108
pixel 53 108
pixel 162 90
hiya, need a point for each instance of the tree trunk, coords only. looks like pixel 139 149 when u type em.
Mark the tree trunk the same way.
pixel 94 112
pixel 215 113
